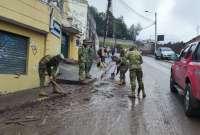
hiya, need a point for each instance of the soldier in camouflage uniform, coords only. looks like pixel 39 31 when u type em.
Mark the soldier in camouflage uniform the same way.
pixel 48 65
pixel 82 60
pixel 135 60
pixel 90 55
pixel 123 67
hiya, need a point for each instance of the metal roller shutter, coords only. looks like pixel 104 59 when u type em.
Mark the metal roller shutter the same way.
pixel 13 53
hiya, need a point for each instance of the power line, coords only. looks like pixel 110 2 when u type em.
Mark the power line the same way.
pixel 147 27
pixel 134 11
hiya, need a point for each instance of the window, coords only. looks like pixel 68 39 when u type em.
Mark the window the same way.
pixel 184 52
pixel 192 49
pixel 13 53
pixel 166 49
pixel 198 54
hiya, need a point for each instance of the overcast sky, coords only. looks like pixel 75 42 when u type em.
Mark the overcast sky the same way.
pixel 177 19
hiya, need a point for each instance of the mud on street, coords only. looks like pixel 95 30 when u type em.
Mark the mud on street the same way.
pixel 103 108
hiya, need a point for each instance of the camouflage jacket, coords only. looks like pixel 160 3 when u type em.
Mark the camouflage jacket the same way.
pixel 123 62
pixel 135 59
pixel 90 54
pixel 82 55
pixel 49 64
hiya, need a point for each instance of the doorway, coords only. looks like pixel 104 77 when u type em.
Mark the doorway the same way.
pixel 65 45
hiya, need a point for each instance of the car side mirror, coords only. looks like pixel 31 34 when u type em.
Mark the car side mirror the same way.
pixel 177 57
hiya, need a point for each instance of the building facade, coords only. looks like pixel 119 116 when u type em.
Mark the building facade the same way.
pixel 29 30
pixel 77 11
pixel 91 33
pixel 70 34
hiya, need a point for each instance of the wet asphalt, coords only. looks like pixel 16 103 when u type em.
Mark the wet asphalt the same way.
pixel 103 108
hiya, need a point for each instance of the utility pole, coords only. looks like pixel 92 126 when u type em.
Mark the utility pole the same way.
pixel 114 36
pixel 107 21
pixel 155 31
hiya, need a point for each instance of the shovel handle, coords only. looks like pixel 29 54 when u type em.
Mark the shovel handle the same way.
pixel 58 86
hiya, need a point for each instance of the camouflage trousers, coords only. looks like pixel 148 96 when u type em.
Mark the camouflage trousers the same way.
pixel 123 74
pixel 82 71
pixel 88 68
pixel 136 74
pixel 42 77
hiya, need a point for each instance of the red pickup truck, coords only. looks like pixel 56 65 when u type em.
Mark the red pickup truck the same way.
pixel 185 77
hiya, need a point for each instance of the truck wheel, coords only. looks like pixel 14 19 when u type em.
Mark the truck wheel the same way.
pixel 188 101
pixel 161 57
pixel 172 84
pixel 156 57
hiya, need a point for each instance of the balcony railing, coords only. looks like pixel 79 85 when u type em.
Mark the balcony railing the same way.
pixel 71 24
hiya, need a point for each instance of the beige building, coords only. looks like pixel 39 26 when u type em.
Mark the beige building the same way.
pixel 29 30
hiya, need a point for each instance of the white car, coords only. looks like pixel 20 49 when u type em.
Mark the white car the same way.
pixel 164 53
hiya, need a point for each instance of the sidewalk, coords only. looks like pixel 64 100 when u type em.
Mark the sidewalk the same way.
pixel 30 97
pixel 24 98
pixel 70 72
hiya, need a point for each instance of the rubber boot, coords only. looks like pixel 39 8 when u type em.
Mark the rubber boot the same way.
pixel 123 82
pixel 139 92
pixel 43 94
pixel 88 77
pixel 144 94
pixel 120 82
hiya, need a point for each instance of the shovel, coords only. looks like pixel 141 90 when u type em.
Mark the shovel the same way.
pixel 113 74
pixel 58 86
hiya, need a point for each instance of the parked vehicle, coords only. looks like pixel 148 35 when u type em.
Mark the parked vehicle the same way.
pixel 165 53
pixel 185 77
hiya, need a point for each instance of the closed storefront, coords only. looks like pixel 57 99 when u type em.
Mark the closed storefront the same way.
pixel 13 53
pixel 20 52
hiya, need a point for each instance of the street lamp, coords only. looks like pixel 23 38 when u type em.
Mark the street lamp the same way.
pixel 155 29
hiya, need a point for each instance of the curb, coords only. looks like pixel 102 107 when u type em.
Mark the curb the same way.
pixel 75 82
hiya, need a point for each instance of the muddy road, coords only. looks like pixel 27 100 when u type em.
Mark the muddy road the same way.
pixel 103 108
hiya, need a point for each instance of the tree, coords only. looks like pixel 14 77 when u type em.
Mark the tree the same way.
pixel 121 30
pixel 134 31
pixel 117 26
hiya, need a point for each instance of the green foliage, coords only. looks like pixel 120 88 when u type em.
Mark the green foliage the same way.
pixel 134 31
pixel 123 46
pixel 116 26
pixel 107 43
pixel 110 44
pixel 99 18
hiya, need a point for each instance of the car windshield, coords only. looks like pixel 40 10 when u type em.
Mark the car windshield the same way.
pixel 166 49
